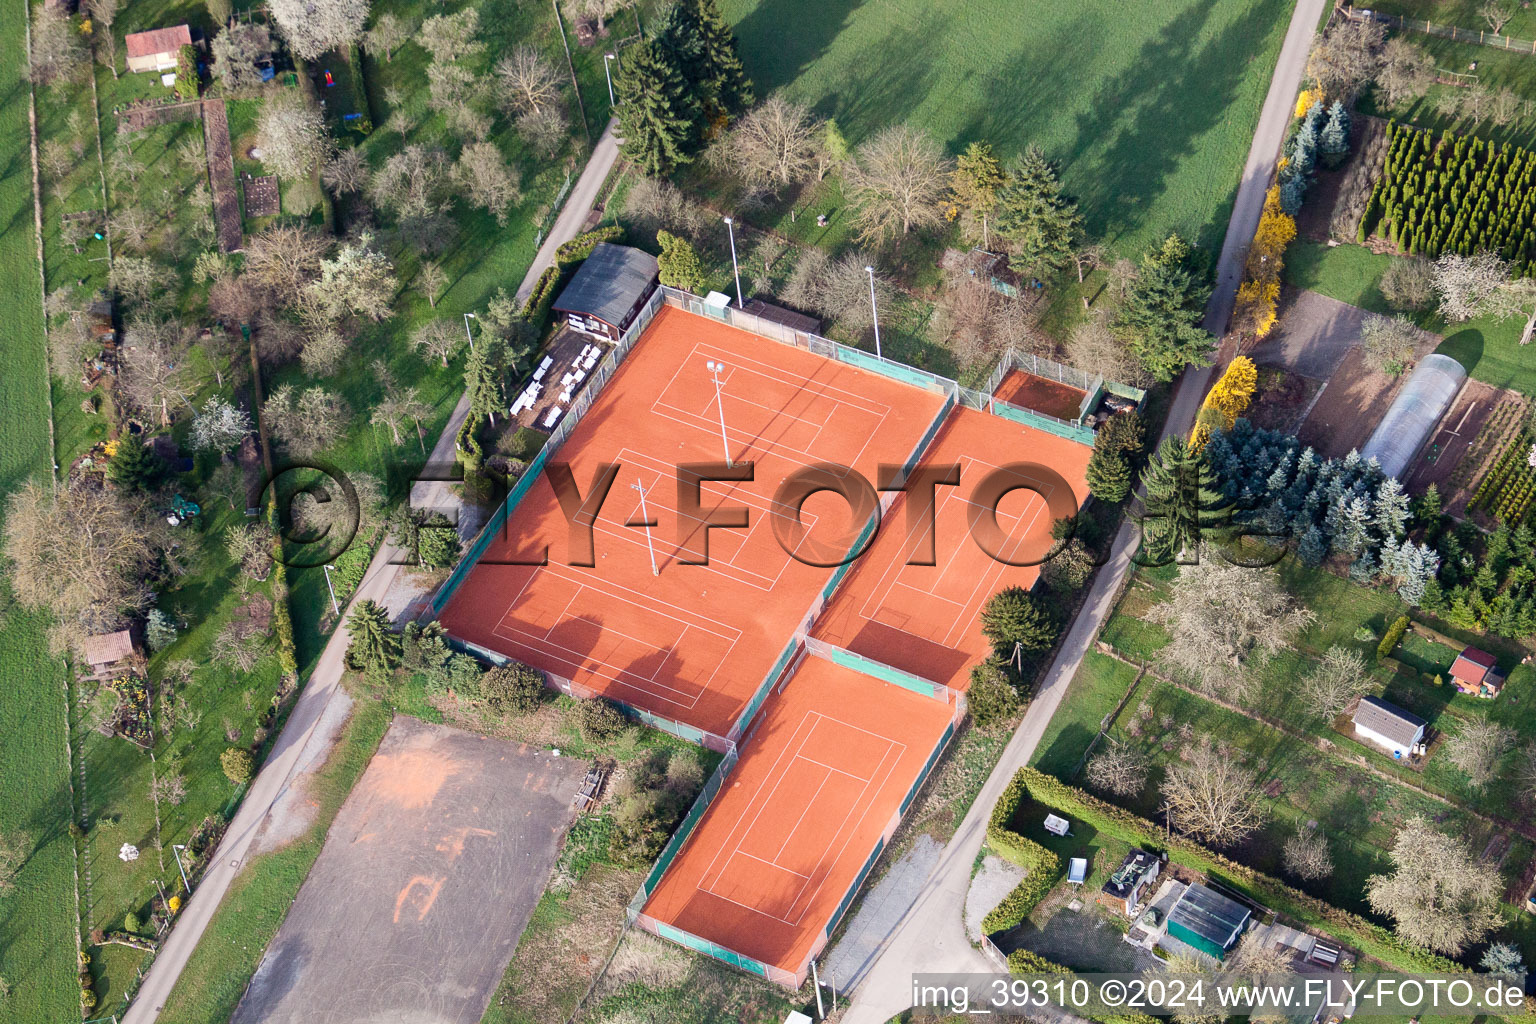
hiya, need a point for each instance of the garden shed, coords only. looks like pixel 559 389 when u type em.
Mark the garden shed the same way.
pixel 1425 397
pixel 157 49
pixel 1477 672
pixel 608 291
pixel 1388 726
pixel 1207 920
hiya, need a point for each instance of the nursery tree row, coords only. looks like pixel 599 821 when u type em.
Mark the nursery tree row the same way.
pixel 1454 193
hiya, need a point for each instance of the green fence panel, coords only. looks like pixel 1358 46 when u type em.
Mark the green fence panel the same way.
pixel 879 670
pixel 1061 428
pixel 922 776
pixel 853 890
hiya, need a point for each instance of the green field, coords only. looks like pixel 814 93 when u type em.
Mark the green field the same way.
pixel 1150 116
pixel 37 917
pixel 1488 348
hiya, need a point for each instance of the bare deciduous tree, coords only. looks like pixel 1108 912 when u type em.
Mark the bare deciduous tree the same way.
pixel 1118 768
pixel 103 13
pixel 56 53
pixel 412 182
pixel 1438 894
pixel 83 552
pixel 529 82
pixel 837 290
pixel 1095 348
pixel 323 351
pixel 1225 619
pixel 1497 13
pixel 236 51
pixel 1525 770
pixel 357 281
pixel 387 34
pixel 1338 679
pixel 250 546
pixel 544 129
pixel 156 377
pixel 347 172
pixel 1209 794
pixel 1477 750
pixel 896 182
pixel 488 181
pixel 141 281
pixel 169 786
pixel 430 280
pixel 451 37
pixel 314 26
pixel 1348 56
pixel 599 11
pixel 1306 855
pixel 285 259
pixel 305 421
pixel 775 144
pixel 292 136
pixel 1467 283
pixel 1388 342
pixel 1406 71
pixel 438 338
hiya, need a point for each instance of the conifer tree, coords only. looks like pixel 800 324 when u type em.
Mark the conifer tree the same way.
pixel 1160 318
pixel 482 380
pixel 374 646
pixel 1109 475
pixel 1183 504
pixel 658 115
pixel 678 263
pixel 974 185
pixel 725 85
pixel 1013 616
pixel 1040 224
pixel 1333 143
pixel 134 466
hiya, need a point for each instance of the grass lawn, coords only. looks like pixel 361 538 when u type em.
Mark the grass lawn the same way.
pixel 1461 13
pixel 1489 349
pixel 1094 692
pixel 37 914
pixel 219 969
pixel 1150 116
pixel 1497 69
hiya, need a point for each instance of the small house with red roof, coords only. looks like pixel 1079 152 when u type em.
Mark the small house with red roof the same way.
pixel 1476 672
pixel 157 49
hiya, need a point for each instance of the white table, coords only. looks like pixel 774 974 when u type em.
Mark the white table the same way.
pixel 592 360
pixel 554 415
pixel 565 396
pixel 581 375
pixel 539 373
pixel 547 363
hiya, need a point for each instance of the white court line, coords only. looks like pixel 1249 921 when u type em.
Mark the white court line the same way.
pixel 886 760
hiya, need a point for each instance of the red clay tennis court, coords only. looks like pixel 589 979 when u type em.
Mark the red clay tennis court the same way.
pixel 831 761
pixel 691 643
pixel 925 619
pixel 1042 395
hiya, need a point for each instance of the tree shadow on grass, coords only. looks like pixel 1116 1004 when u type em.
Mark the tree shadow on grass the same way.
pixel 780 39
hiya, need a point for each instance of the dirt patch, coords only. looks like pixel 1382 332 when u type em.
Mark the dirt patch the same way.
pixel 426 881
pixel 996 879
pixel 294 810
pixel 1329 187
pixel 149 114
pixel 1041 395
pixel 1312 336
pixel 261 196
pixel 221 172
pixel 1349 408
pixel 1282 399
pixel 1452 443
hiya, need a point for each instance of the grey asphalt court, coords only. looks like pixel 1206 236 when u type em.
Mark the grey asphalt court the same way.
pixel 1313 335
pixel 424 886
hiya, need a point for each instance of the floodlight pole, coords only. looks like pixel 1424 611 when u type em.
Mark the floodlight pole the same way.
pixel 735 270
pixel 175 847
pixel 467 318
pixel 334 606
pixel 609 75
pixel 816 983
pixel 714 373
pixel 874 310
pixel 646 516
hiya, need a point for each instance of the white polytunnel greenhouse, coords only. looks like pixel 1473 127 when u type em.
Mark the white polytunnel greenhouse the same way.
pixel 1425 397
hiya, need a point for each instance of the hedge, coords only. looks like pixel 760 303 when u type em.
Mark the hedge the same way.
pixel 1392 637
pixel 467 448
pixel 1025 961
pixel 536 310
pixel 1043 866
pixel 1114 820
pixel 363 123
pixel 580 247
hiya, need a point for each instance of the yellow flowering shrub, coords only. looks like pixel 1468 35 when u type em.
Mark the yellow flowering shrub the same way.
pixel 1305 100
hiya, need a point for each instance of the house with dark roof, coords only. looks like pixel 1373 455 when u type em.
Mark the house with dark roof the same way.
pixel 1477 672
pixel 157 49
pixel 1388 726
pixel 1207 920
pixel 1124 889
pixel 608 291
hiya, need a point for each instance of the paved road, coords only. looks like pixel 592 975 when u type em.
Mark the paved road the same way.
pixel 303 745
pixel 932 936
